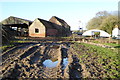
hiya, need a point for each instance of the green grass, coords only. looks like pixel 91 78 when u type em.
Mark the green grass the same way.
pixel 112 44
pixel 96 42
pixel 109 44
pixel 108 58
pixel 19 41
pixel 5 46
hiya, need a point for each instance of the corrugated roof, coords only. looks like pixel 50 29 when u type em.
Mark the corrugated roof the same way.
pixel 22 19
pixel 15 20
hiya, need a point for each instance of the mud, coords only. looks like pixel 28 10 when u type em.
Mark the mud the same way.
pixel 25 61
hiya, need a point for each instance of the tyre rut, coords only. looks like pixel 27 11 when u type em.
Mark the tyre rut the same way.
pixel 29 62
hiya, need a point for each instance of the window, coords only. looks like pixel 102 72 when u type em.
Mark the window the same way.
pixel 36 30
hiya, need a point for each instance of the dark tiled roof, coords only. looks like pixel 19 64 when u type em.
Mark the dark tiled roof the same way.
pixel 63 23
pixel 49 24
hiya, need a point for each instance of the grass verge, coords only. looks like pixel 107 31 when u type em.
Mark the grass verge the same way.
pixel 100 62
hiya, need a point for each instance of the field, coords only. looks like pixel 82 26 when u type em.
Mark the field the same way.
pixel 25 59
pixel 99 62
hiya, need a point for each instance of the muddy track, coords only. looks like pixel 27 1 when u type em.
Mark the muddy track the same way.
pixel 27 61
pixel 10 51
pixel 14 54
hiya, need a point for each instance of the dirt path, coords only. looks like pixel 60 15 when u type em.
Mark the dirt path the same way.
pixel 97 44
pixel 26 61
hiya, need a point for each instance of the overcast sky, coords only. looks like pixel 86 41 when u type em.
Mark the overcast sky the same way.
pixel 72 11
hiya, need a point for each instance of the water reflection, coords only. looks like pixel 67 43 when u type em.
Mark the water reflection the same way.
pixel 65 62
pixel 49 63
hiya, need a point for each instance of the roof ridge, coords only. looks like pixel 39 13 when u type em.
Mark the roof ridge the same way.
pixel 20 18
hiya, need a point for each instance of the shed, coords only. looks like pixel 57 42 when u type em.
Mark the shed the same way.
pixel 116 32
pixel 16 20
pixel 18 24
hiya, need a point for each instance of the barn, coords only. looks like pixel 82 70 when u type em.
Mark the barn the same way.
pixel 61 22
pixel 18 24
pixel 43 28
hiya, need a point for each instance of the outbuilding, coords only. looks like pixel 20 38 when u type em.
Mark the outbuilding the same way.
pixel 18 24
pixel 43 28
pixel 62 23
pixel 116 32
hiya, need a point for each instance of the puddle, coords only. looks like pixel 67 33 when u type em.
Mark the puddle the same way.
pixel 65 62
pixel 49 63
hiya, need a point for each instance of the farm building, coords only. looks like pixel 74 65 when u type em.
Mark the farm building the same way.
pixel 61 22
pixel 38 28
pixel 16 20
pixel 116 32
pixel 18 24
pixel 43 28
pixel 93 31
